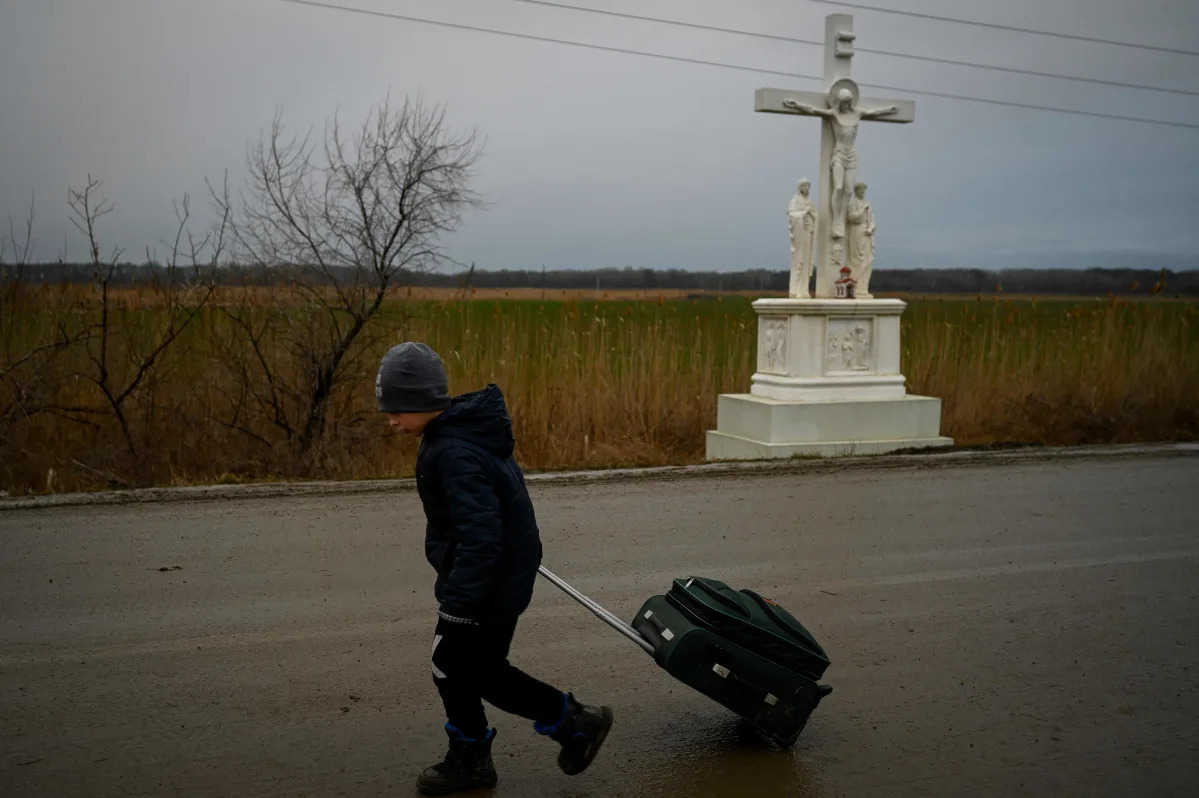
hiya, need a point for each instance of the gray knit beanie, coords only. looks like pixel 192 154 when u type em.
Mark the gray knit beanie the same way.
pixel 411 379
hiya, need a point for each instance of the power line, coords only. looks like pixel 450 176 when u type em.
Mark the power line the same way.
pixel 1012 28
pixel 1034 73
pixel 892 54
pixel 1012 104
pixel 532 37
pixel 703 62
pixel 680 23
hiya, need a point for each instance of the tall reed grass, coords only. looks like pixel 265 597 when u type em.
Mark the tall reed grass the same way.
pixel 589 383
pixel 1057 372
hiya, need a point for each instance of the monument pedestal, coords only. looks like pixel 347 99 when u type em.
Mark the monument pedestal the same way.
pixel 827 384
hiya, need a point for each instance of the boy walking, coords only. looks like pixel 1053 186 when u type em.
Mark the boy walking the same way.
pixel 482 540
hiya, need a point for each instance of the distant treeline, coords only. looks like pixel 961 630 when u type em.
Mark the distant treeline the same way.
pixel 932 281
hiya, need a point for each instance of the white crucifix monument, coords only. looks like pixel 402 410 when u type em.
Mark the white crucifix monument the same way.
pixel 828 380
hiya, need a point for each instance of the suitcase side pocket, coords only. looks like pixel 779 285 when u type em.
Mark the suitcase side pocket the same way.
pixel 727 669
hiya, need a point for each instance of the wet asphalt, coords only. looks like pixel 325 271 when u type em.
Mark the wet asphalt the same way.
pixel 1024 629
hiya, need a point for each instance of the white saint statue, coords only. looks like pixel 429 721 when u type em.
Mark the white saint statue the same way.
pixel 844 116
pixel 801 218
pixel 860 223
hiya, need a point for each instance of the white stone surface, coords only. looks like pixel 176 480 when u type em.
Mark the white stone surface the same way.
pixel 801 220
pixel 754 427
pixel 727 447
pixel 841 109
pixel 860 227
pixel 828 350
pixel 827 383
pixel 828 379
pixel 843 115
pixel 774 334
pixel 850 345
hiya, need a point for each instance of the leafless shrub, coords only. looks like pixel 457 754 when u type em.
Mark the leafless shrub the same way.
pixel 344 221
pixel 29 352
pixel 121 351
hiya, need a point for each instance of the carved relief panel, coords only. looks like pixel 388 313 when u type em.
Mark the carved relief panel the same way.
pixel 849 345
pixel 772 348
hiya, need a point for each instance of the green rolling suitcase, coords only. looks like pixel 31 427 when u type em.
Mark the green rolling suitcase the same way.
pixel 736 647
pixel 739 649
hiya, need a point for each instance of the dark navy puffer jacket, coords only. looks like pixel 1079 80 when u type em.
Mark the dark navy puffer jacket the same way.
pixel 482 535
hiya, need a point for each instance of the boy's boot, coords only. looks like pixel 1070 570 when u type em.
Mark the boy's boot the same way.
pixel 580 732
pixel 466 766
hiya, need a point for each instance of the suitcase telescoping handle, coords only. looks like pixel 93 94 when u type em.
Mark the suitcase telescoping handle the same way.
pixel 599 611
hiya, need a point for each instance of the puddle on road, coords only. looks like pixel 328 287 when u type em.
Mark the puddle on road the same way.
pixel 727 760
pixel 687 755
pixel 698 758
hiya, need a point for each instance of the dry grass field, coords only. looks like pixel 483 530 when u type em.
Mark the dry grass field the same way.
pixel 592 378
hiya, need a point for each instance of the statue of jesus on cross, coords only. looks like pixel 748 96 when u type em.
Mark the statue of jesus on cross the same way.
pixel 840 109
pixel 844 116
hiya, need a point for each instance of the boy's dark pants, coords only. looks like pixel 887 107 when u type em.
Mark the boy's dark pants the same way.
pixel 470 665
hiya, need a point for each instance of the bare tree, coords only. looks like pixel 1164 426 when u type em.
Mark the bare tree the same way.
pixel 119 360
pixel 14 247
pixel 14 258
pixel 23 360
pixel 343 221
pixel 34 336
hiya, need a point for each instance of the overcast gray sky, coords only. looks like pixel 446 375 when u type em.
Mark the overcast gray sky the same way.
pixel 601 159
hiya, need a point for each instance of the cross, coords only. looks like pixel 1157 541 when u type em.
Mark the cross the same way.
pixel 841 108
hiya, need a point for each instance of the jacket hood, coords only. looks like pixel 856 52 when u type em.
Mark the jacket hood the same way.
pixel 480 417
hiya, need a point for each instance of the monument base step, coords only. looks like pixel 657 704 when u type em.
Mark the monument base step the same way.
pixel 722 446
pixel 755 427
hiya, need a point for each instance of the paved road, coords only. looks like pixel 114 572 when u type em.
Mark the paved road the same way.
pixel 1029 629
